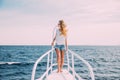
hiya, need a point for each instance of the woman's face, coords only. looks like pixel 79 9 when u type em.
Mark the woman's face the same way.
pixel 60 23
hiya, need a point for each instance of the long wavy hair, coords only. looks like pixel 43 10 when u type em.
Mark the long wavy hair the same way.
pixel 62 29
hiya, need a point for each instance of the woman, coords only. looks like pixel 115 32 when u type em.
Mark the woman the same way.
pixel 61 44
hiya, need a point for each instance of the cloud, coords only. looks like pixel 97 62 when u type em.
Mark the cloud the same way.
pixel 96 11
pixel 18 19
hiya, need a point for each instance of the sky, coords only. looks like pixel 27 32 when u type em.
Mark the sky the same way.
pixel 31 22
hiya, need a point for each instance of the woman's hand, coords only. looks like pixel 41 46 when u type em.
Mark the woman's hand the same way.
pixel 52 43
pixel 66 50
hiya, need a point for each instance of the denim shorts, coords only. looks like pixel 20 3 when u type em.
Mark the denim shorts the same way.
pixel 60 47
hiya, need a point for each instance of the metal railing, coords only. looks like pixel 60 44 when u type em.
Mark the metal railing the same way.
pixel 70 68
pixel 84 61
pixel 36 63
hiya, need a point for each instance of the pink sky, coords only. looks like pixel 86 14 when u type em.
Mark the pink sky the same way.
pixel 31 21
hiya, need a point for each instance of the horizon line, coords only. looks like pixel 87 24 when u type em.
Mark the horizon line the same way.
pixel 50 45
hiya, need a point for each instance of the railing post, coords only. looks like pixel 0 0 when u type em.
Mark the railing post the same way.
pixel 36 63
pixel 85 62
pixel 48 64
pixel 52 59
pixel 73 67
pixel 68 64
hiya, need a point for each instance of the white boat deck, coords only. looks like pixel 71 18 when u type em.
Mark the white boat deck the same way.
pixel 64 75
pixel 51 74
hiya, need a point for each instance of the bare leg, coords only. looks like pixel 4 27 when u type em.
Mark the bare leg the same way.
pixel 62 59
pixel 58 59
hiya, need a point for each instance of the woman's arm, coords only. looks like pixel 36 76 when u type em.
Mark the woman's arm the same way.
pixel 53 41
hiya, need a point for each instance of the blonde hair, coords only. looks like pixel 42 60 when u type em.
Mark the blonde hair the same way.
pixel 63 29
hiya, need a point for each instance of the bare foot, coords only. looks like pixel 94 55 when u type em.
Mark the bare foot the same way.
pixel 58 71
pixel 61 71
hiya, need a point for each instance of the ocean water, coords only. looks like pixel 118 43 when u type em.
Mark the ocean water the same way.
pixel 16 62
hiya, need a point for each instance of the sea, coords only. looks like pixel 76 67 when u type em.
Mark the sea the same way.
pixel 16 61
